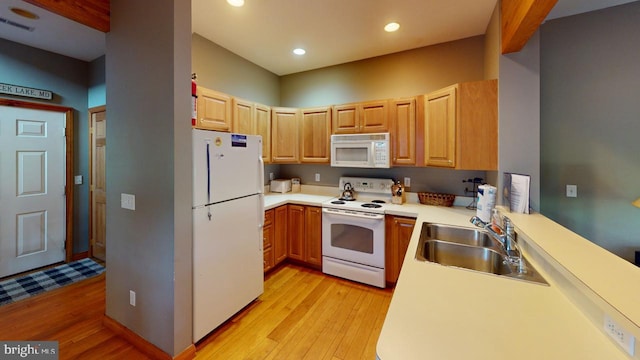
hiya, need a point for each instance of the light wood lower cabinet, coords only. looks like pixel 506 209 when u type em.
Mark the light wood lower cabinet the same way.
pixel 281 218
pixel 275 237
pixel 398 232
pixel 305 234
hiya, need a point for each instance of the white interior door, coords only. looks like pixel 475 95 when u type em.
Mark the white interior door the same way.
pixel 32 184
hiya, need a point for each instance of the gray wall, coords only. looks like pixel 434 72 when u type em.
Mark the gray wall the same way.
pixel 97 82
pixel 402 74
pixel 221 70
pixel 67 78
pixel 519 114
pixel 589 125
pixel 149 156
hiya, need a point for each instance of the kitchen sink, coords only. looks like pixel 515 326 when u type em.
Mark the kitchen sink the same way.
pixel 464 256
pixel 473 249
pixel 456 234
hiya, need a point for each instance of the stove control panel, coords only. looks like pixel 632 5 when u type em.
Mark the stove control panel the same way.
pixel 367 185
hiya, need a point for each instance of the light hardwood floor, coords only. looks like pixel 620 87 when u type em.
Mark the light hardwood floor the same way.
pixel 303 314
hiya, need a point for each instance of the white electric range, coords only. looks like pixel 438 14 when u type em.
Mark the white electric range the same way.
pixel 353 231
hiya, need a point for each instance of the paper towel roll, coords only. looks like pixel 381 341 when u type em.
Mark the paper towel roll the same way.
pixel 486 201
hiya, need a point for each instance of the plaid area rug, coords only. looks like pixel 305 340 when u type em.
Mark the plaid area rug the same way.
pixel 19 288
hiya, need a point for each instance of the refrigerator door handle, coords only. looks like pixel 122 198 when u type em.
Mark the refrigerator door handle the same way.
pixel 261 176
pixel 208 175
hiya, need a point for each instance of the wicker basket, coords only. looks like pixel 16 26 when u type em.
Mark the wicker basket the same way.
pixel 429 198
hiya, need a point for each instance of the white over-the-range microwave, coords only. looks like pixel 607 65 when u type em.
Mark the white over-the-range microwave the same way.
pixel 361 150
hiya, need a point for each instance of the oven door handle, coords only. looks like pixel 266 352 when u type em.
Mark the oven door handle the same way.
pixel 369 217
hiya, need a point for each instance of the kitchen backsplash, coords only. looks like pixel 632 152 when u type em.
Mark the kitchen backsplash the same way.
pixel 422 179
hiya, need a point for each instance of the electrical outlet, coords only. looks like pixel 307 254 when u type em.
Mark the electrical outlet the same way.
pixel 128 201
pixel 407 182
pixel 620 335
pixel 572 190
pixel 132 298
pixel 317 176
pixel 271 177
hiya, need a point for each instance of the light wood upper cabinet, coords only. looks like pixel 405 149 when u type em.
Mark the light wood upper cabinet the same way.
pixel 214 110
pixel 440 128
pixel 374 116
pixel 315 135
pixel 263 128
pixel 345 119
pixel 366 117
pixel 461 126
pixel 243 117
pixel 403 131
pixel 284 135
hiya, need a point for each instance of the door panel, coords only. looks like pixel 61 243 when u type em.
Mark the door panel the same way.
pixel 32 188
pixel 98 184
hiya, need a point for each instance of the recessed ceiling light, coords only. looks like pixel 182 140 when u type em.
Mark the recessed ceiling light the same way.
pixel 236 3
pixel 391 27
pixel 24 13
pixel 299 51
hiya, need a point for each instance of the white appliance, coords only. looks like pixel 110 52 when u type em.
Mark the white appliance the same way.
pixel 361 150
pixel 228 215
pixel 353 231
pixel 280 185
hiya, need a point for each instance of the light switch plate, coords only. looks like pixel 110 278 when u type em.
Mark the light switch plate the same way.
pixel 77 180
pixel 572 190
pixel 128 201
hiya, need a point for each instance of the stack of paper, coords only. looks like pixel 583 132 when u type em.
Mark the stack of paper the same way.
pixel 516 192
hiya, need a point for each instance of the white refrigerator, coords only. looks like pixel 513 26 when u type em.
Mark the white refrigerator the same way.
pixel 228 215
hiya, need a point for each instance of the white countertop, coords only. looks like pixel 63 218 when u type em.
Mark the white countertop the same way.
pixel 440 312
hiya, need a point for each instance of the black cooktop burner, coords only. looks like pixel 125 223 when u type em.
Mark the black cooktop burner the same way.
pixel 345 199
pixel 338 202
pixel 378 201
pixel 371 206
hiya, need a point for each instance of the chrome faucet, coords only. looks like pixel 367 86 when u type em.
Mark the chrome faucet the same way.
pixel 506 237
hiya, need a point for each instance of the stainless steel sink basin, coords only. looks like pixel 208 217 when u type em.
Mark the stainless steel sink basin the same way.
pixel 456 234
pixel 461 255
pixel 472 249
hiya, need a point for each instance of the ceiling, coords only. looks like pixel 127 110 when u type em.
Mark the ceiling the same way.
pixel 266 31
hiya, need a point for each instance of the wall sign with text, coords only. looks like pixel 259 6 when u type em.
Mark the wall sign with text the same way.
pixel 25 91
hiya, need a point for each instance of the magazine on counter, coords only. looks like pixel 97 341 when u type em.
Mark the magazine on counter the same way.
pixel 516 192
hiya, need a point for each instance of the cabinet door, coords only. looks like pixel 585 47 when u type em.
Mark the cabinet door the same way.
pixel 214 110
pixel 398 234
pixel 296 232
pixel 268 263
pixel 281 229
pixel 374 116
pixel 263 128
pixel 440 128
pixel 345 119
pixel 313 231
pixel 315 135
pixel 284 135
pixel 243 117
pixel 403 131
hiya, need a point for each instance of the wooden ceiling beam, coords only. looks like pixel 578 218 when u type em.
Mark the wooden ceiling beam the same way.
pixel 92 13
pixel 520 19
